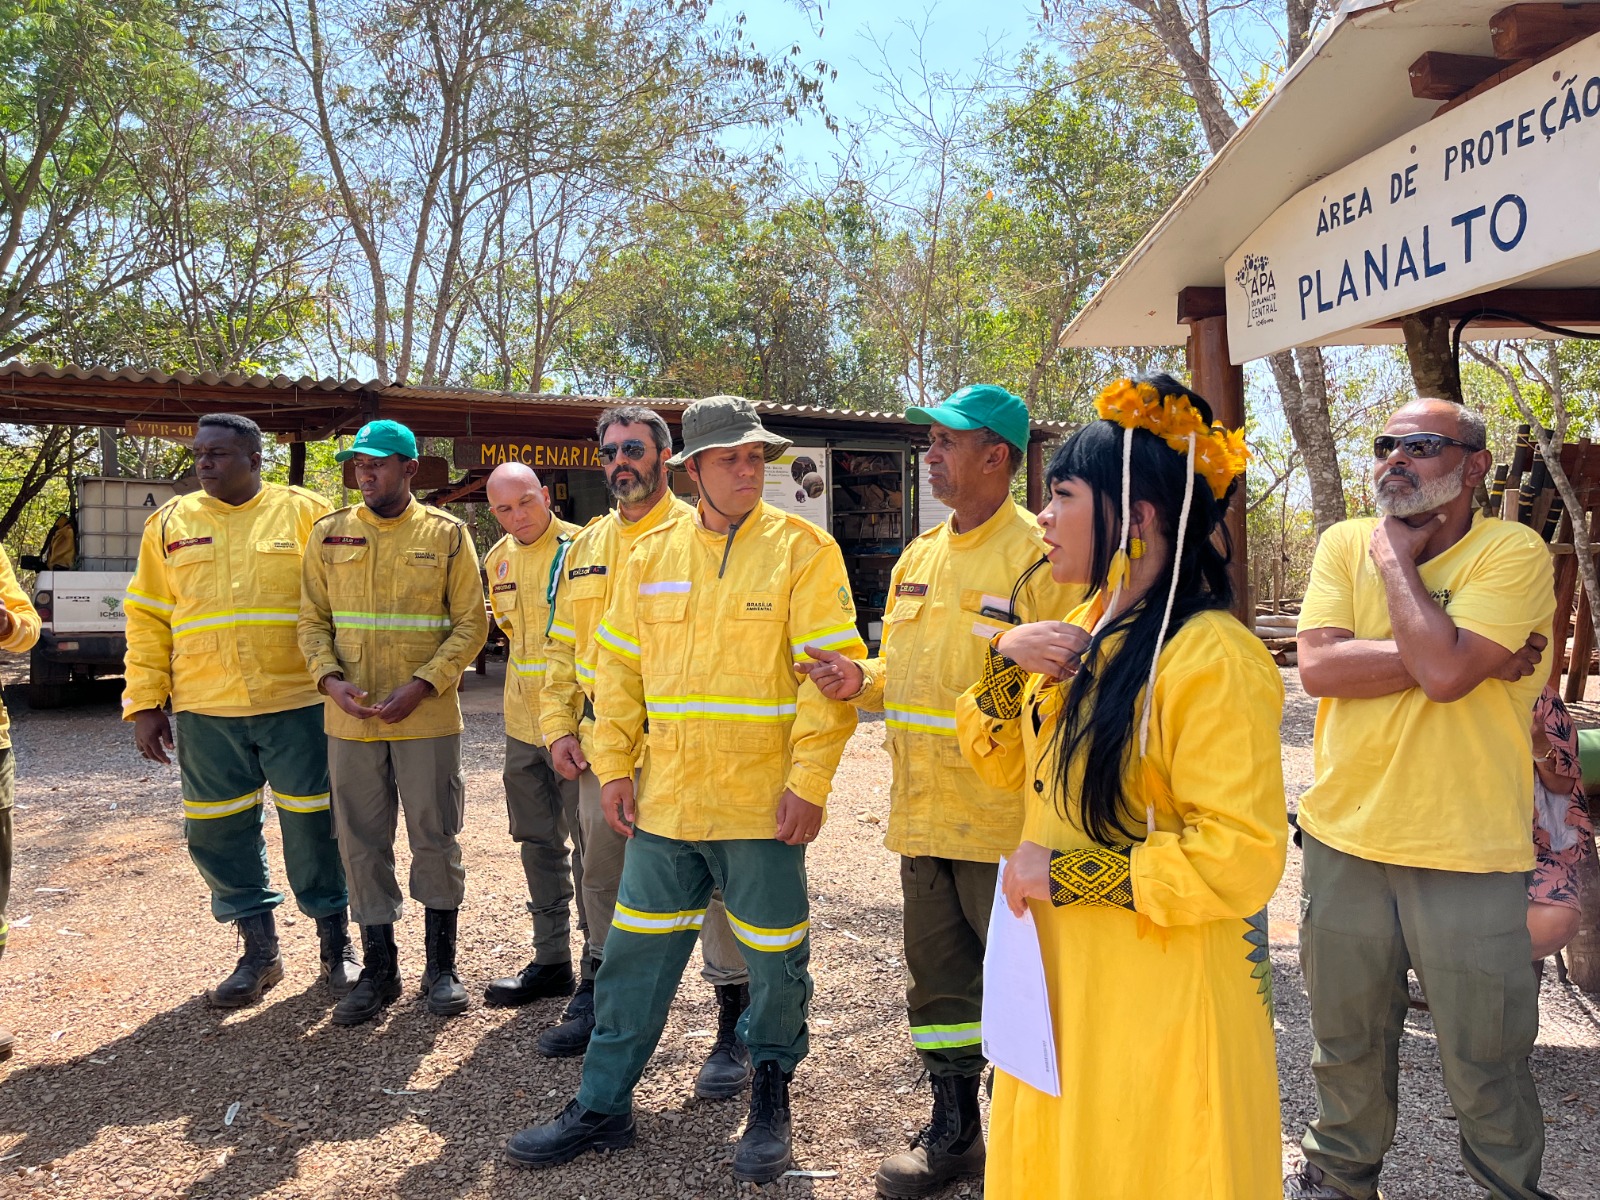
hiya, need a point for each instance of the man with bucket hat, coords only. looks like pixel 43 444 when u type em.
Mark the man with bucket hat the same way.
pixel 391 614
pixel 955 587
pixel 707 619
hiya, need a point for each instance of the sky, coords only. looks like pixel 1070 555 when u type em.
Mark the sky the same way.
pixel 957 32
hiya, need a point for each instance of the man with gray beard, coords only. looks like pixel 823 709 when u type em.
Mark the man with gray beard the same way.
pixel 1419 634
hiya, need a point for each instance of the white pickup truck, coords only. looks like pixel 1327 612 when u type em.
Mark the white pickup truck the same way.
pixel 84 631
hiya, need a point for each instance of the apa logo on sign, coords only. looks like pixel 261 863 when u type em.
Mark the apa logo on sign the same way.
pixel 1260 289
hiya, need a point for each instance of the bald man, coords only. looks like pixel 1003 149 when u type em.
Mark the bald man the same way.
pixel 542 806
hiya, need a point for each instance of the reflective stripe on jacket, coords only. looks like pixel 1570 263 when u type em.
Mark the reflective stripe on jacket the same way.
pixel 213 604
pixel 597 555
pixel 935 635
pixel 519 591
pixel 387 600
pixel 709 661
pixel 24 633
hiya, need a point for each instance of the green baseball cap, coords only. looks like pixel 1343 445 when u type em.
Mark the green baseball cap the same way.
pixel 381 439
pixel 979 406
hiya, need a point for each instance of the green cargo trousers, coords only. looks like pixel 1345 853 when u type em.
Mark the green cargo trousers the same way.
pixel 223 763
pixel 947 906
pixel 661 905
pixel 543 811
pixel 1362 925
pixel 603 851
pixel 8 792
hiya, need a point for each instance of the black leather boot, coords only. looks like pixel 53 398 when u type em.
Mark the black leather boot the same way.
pixel 339 965
pixel 763 1153
pixel 440 983
pixel 950 1145
pixel 727 1068
pixel 379 982
pixel 569 1135
pixel 536 981
pixel 258 968
pixel 571 1038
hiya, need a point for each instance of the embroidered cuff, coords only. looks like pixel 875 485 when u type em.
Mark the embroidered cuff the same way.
pixel 1000 688
pixel 1096 876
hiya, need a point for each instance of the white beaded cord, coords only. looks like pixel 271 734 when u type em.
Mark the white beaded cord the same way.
pixel 1166 617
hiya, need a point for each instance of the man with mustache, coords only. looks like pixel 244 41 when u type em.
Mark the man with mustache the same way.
pixel 1420 632
pixel 634 445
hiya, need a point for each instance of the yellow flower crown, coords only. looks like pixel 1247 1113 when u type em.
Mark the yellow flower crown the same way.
pixel 1220 455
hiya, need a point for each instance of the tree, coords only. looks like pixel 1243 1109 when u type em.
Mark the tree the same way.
pixel 1199 38
pixel 445 129
pixel 78 79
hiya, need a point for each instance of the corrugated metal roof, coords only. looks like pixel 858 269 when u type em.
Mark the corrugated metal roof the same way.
pixel 181 378
pixel 394 399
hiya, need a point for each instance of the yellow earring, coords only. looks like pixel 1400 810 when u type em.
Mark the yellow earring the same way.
pixel 1136 548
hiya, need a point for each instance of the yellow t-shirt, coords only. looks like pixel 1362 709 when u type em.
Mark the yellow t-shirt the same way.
pixel 1399 778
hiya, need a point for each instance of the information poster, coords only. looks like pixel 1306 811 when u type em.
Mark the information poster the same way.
pixel 797 482
pixel 930 512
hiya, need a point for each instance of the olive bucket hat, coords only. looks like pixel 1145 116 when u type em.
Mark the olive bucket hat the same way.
pixel 721 422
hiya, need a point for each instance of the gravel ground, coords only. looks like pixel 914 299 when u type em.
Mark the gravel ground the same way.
pixel 124 1080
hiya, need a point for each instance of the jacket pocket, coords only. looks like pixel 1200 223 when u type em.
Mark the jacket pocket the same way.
pixel 664 634
pixel 420 574
pixel 346 573
pixel 193 572
pixel 194 645
pixel 736 737
pixel 757 633
pixel 277 567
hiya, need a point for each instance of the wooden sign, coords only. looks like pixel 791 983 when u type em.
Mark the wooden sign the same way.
pixel 175 431
pixel 542 454
pixel 432 472
pixel 1484 195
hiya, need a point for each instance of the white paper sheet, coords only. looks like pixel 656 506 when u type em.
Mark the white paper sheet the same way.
pixel 1018 1034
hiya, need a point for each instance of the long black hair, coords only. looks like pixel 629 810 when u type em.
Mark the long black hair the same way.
pixel 1101 730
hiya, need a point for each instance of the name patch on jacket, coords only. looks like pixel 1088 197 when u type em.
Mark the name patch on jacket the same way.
pixel 756 606
pixel 427 556
pixel 580 572
pixel 505 587
pixel 277 545
pixel 911 589
pixel 184 543
pixel 336 540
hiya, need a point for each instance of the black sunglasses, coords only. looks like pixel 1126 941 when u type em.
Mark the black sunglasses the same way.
pixel 1416 445
pixel 633 448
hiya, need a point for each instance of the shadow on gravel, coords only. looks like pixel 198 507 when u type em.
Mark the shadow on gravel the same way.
pixel 294 1077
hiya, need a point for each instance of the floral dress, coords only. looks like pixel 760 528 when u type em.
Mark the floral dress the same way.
pixel 1556 872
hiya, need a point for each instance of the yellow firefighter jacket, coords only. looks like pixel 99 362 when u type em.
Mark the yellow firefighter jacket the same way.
pixel 213 604
pixel 24 633
pixel 706 653
pixel 520 584
pixel 387 600
pixel 596 558
pixel 935 635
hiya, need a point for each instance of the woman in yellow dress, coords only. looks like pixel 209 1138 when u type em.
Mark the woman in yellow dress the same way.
pixel 1144 733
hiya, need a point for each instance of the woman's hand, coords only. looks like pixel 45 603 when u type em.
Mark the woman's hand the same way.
pixel 1027 877
pixel 1052 648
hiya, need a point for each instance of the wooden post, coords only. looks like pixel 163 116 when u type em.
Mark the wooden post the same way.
pixel 1035 476
pixel 1583 952
pixel 297 464
pixel 1211 374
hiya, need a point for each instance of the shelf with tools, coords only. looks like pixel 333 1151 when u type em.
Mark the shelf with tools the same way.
pixel 869 520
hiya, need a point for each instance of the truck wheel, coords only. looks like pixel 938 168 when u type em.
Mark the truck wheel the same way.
pixel 49 684
pixel 49 695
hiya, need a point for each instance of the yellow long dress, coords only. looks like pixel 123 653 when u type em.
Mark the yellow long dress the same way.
pixel 1162 1015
